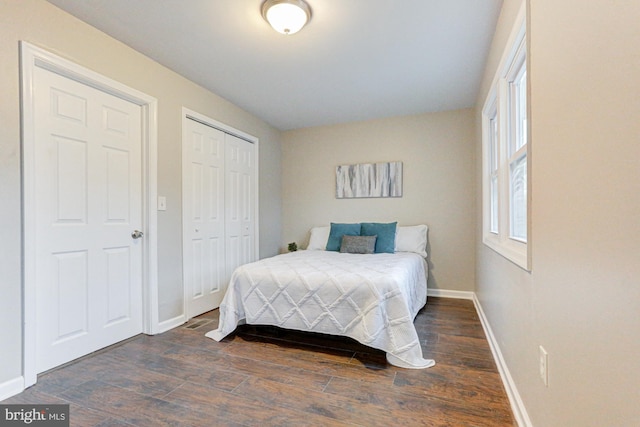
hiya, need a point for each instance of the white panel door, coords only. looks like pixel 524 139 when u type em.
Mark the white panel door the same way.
pixel 203 213
pixel 88 190
pixel 240 206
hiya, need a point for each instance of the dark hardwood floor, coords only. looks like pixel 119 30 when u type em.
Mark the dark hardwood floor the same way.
pixel 264 376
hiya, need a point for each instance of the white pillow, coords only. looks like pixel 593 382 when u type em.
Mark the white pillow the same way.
pixel 318 238
pixel 412 239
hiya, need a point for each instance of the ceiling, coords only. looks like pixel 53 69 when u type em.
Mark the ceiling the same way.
pixel 355 60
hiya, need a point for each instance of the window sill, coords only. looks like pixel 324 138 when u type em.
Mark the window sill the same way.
pixel 514 251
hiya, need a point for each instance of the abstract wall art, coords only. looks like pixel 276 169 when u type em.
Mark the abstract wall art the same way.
pixel 369 180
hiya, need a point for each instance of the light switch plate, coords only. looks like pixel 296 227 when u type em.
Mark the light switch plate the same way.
pixel 162 203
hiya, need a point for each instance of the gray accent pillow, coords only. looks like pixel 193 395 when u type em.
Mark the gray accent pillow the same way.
pixel 358 244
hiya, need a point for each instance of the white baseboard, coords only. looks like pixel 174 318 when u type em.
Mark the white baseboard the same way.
pixel 11 388
pixel 166 325
pixel 444 293
pixel 519 410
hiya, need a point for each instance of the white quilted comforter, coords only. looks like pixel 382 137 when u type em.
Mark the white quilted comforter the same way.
pixel 370 298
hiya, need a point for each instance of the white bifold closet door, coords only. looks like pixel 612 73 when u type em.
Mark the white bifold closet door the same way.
pixel 218 212
pixel 239 202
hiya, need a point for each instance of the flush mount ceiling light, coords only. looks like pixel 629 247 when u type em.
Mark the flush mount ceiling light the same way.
pixel 286 16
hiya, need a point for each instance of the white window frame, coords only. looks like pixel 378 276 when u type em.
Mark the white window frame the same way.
pixel 500 109
pixel 493 166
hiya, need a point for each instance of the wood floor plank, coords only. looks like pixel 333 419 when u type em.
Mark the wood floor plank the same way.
pixel 241 409
pixel 194 338
pixel 142 346
pixel 57 381
pixel 251 364
pixel 329 405
pixel 34 395
pixel 90 417
pixel 434 409
pixel 141 381
pixel 467 328
pixel 454 384
pixel 112 371
pixel 463 361
pixel 134 408
pixel 212 376
pixel 448 344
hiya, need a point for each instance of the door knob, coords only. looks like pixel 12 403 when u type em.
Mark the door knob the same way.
pixel 137 234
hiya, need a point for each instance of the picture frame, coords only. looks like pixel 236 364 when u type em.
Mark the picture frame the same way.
pixel 369 180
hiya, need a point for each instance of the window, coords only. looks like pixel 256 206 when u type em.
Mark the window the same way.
pixel 505 154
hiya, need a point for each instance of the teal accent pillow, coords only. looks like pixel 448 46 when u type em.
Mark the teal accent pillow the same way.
pixel 339 230
pixel 386 241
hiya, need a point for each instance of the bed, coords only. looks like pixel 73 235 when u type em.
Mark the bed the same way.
pixel 371 297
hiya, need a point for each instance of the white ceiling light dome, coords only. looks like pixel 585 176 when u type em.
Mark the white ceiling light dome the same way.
pixel 286 16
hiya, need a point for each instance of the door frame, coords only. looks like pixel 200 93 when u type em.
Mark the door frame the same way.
pixel 188 114
pixel 32 57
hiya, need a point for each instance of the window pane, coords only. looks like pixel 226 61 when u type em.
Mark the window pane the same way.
pixel 518 111
pixel 494 143
pixel 518 199
pixel 493 226
pixel 521 110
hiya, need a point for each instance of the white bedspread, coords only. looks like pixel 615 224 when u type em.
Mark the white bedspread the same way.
pixel 370 298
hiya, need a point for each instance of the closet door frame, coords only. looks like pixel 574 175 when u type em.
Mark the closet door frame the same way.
pixel 188 114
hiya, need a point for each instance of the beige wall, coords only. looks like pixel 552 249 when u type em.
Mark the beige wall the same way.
pixel 438 176
pixel 581 300
pixel 42 24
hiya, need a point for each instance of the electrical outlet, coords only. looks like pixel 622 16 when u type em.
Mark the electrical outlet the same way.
pixel 543 358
